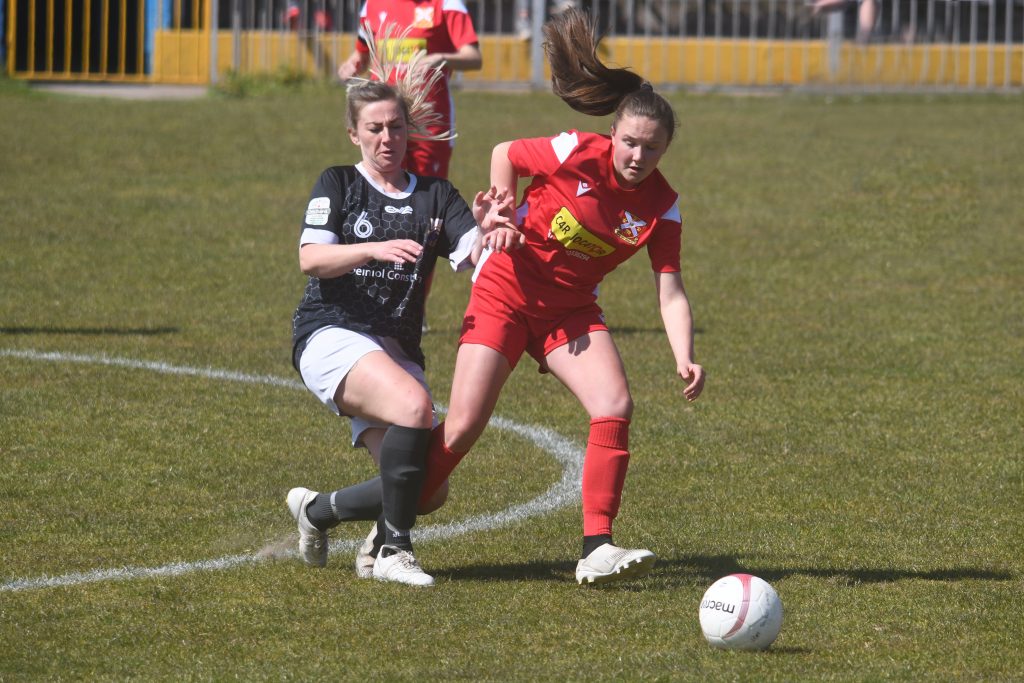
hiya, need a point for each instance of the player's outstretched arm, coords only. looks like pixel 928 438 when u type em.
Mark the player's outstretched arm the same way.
pixel 678 320
pixel 504 179
pixel 466 58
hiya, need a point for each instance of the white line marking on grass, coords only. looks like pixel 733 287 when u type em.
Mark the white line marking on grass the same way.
pixel 155 366
pixel 125 573
pixel 565 492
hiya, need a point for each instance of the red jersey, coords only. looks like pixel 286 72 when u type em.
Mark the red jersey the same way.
pixel 437 26
pixel 580 224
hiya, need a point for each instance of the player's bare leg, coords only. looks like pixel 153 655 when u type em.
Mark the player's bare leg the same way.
pixel 591 368
pixel 378 389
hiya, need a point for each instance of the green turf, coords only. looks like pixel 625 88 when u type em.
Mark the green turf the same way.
pixel 856 268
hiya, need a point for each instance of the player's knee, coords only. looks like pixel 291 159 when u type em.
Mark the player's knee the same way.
pixel 615 405
pixel 436 501
pixel 460 434
pixel 417 413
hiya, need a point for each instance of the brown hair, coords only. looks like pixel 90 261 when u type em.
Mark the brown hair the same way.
pixel 368 92
pixel 582 80
pixel 411 84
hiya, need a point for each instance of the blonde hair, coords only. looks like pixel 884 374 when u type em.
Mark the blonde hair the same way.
pixel 410 82
pixel 586 84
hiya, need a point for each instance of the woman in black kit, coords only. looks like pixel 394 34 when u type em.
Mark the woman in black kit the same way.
pixel 371 235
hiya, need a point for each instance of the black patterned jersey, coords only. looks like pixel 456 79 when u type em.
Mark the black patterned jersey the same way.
pixel 384 299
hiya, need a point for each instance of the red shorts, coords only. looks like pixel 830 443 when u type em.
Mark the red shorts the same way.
pixel 428 157
pixel 496 323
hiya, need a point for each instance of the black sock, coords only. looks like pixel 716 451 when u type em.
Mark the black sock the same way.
pixel 387 543
pixel 398 538
pixel 359 502
pixel 319 512
pixel 592 543
pixel 403 456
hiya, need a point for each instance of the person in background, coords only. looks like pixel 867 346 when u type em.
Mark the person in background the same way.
pixel 867 14
pixel 441 28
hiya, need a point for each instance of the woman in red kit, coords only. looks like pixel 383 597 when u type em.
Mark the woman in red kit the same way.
pixel 594 201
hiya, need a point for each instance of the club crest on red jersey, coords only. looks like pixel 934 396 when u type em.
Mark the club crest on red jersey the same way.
pixel 423 17
pixel 629 228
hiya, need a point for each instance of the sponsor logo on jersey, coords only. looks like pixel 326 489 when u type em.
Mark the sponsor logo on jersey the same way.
pixel 318 210
pixel 394 273
pixel 362 228
pixel 629 228
pixel 403 210
pixel 577 240
pixel 582 188
pixel 423 17
pixel 402 51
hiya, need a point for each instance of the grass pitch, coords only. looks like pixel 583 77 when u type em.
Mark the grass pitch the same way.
pixel 856 269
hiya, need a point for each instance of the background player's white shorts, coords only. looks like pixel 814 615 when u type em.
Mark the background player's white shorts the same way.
pixel 332 352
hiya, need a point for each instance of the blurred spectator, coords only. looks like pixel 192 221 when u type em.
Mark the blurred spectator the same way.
pixel 293 17
pixel 867 13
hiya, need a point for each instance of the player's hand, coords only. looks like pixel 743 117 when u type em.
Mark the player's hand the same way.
pixel 502 239
pixel 494 212
pixel 346 71
pixel 395 251
pixel 350 68
pixel 693 375
pixel 432 61
pixel 493 209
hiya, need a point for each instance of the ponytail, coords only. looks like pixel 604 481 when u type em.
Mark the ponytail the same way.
pixel 585 83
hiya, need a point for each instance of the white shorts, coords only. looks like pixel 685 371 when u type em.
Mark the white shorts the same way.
pixel 331 352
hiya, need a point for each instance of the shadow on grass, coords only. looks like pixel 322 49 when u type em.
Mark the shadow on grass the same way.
pixel 559 572
pixel 624 330
pixel 96 331
pixel 618 331
pixel 701 570
pixel 707 568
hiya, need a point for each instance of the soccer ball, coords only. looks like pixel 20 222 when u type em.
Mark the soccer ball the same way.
pixel 741 612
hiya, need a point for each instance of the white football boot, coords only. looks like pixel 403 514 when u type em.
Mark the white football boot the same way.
pixel 312 541
pixel 364 558
pixel 611 563
pixel 401 567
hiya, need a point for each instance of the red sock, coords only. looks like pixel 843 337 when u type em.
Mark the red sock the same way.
pixel 604 473
pixel 440 463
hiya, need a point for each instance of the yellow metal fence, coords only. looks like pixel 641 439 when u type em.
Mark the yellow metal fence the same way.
pixel 171 41
pixel 106 40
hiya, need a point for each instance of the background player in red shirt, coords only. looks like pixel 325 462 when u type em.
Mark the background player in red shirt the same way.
pixel 444 29
pixel 593 202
